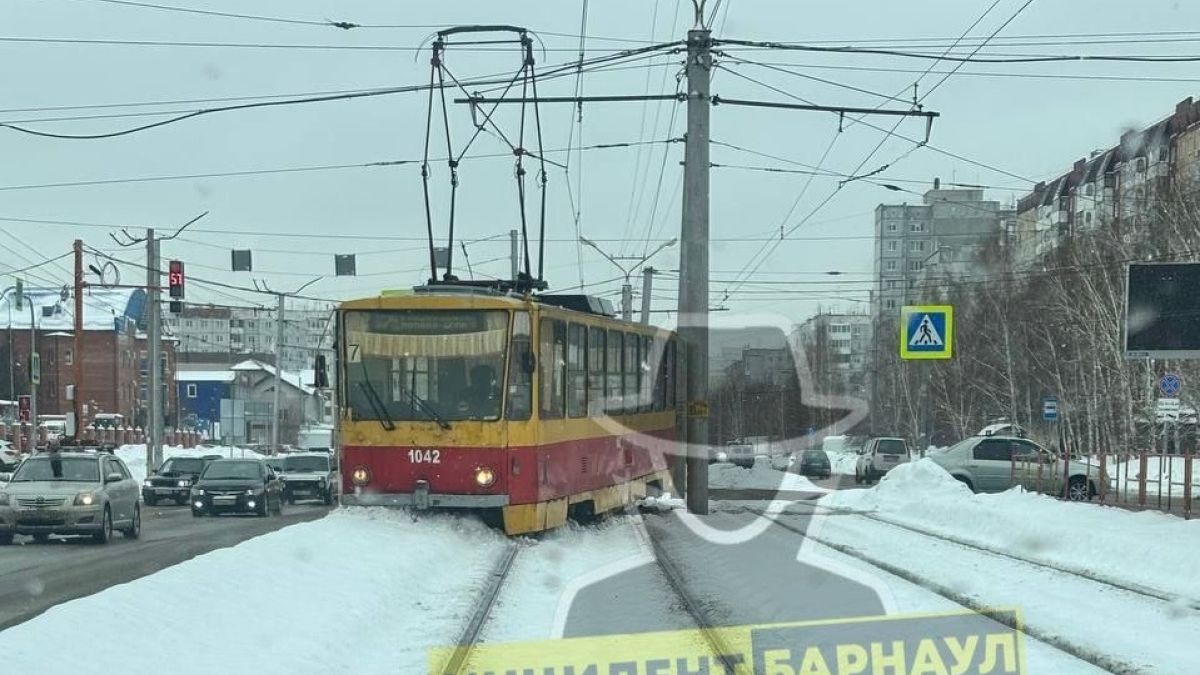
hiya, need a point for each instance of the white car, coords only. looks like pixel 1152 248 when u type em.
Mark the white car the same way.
pixel 9 458
pixel 878 456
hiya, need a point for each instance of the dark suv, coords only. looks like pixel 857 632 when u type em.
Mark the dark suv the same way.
pixel 173 480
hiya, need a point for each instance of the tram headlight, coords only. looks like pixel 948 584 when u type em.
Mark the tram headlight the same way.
pixel 360 476
pixel 484 476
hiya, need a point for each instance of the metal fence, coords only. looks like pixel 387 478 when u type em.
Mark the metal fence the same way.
pixel 1158 481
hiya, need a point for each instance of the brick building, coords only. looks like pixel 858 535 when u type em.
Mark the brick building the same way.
pixel 115 373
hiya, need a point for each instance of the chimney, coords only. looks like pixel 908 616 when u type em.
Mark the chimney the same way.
pixel 937 183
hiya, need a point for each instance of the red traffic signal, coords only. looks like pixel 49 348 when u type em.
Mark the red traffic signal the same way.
pixel 175 278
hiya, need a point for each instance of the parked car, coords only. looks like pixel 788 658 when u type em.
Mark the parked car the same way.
pixel 9 458
pixel 72 493
pixel 814 463
pixel 309 475
pixel 986 464
pixel 173 480
pixel 878 456
pixel 237 486
pixel 734 452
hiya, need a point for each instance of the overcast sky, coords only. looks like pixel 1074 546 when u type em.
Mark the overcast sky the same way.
pixel 1029 127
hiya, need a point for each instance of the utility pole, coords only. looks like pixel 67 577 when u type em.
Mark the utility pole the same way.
pixel 514 254
pixel 647 284
pixel 154 420
pixel 693 267
pixel 628 264
pixel 77 349
pixel 278 373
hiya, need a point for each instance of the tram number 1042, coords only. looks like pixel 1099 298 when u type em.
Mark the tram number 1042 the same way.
pixel 425 456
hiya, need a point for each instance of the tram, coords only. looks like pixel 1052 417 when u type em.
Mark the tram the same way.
pixel 528 408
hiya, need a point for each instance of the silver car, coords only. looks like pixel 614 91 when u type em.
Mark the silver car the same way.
pixel 997 463
pixel 70 493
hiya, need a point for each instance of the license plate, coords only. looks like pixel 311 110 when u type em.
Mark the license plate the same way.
pixel 221 499
pixel 163 491
pixel 890 458
pixel 41 516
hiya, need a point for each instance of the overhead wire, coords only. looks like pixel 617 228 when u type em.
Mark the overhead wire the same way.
pixel 491 79
pixel 637 162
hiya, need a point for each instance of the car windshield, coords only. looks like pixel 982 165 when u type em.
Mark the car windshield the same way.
pixel 408 365
pixel 50 468
pixel 890 446
pixel 306 464
pixel 183 465
pixel 232 470
pixel 815 454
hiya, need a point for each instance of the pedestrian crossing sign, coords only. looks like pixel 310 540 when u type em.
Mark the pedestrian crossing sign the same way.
pixel 926 332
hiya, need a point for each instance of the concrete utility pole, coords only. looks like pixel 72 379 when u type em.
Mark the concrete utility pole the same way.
pixel 647 284
pixel 693 268
pixel 77 349
pixel 154 419
pixel 622 262
pixel 278 373
pixel 514 253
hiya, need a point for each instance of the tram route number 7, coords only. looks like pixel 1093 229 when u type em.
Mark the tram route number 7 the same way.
pixel 425 456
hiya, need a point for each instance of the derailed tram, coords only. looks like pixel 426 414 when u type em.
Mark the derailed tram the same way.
pixel 530 409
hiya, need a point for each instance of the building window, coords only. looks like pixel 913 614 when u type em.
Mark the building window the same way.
pixel 191 391
pixel 1089 189
pixel 889 304
pixel 1140 165
pixel 68 357
pixel 892 246
pixel 891 265
pixel 892 227
pixel 918 227
pixel 914 266
pixel 1087 218
pixel 916 246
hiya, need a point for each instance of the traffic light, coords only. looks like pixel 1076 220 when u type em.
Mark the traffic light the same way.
pixel 175 280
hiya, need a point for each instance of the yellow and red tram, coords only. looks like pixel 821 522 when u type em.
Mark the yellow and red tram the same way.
pixel 531 409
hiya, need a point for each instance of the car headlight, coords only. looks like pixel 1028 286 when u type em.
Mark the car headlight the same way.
pixel 147 483
pixel 199 492
pixel 321 480
pixel 3 499
pixel 253 491
pixel 361 476
pixel 85 499
pixel 184 483
pixel 484 476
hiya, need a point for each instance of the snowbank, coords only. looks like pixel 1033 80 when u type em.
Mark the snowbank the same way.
pixel 760 477
pixel 134 456
pixel 1147 548
pixel 363 591
pixel 843 462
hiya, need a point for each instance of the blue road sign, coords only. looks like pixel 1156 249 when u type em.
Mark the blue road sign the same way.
pixel 1170 385
pixel 927 332
pixel 1050 409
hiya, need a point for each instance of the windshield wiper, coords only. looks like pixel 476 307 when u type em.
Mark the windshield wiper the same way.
pixel 425 406
pixel 377 406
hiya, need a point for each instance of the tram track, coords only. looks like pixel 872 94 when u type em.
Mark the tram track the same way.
pixel 717 644
pixel 1048 637
pixel 459 659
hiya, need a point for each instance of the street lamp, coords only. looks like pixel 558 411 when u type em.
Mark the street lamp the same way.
pixel 34 362
pixel 628 265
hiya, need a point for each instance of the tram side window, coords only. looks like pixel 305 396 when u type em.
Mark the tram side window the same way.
pixel 552 358
pixel 520 375
pixel 646 373
pixel 670 373
pixel 633 373
pixel 660 374
pixel 616 342
pixel 596 376
pixel 576 370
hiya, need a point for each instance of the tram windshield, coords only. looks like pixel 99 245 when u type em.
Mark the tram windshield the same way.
pixel 435 365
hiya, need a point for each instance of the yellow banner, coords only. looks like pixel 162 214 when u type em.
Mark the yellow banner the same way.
pixel 959 643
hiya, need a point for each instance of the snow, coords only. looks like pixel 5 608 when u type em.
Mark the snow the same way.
pixel 759 477
pixel 290 377
pixel 1164 475
pixel 204 376
pixel 359 591
pixel 1145 548
pixel 843 462
pixel 134 455
pixel 103 308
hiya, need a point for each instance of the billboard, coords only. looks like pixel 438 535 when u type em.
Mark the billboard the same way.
pixel 1162 311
